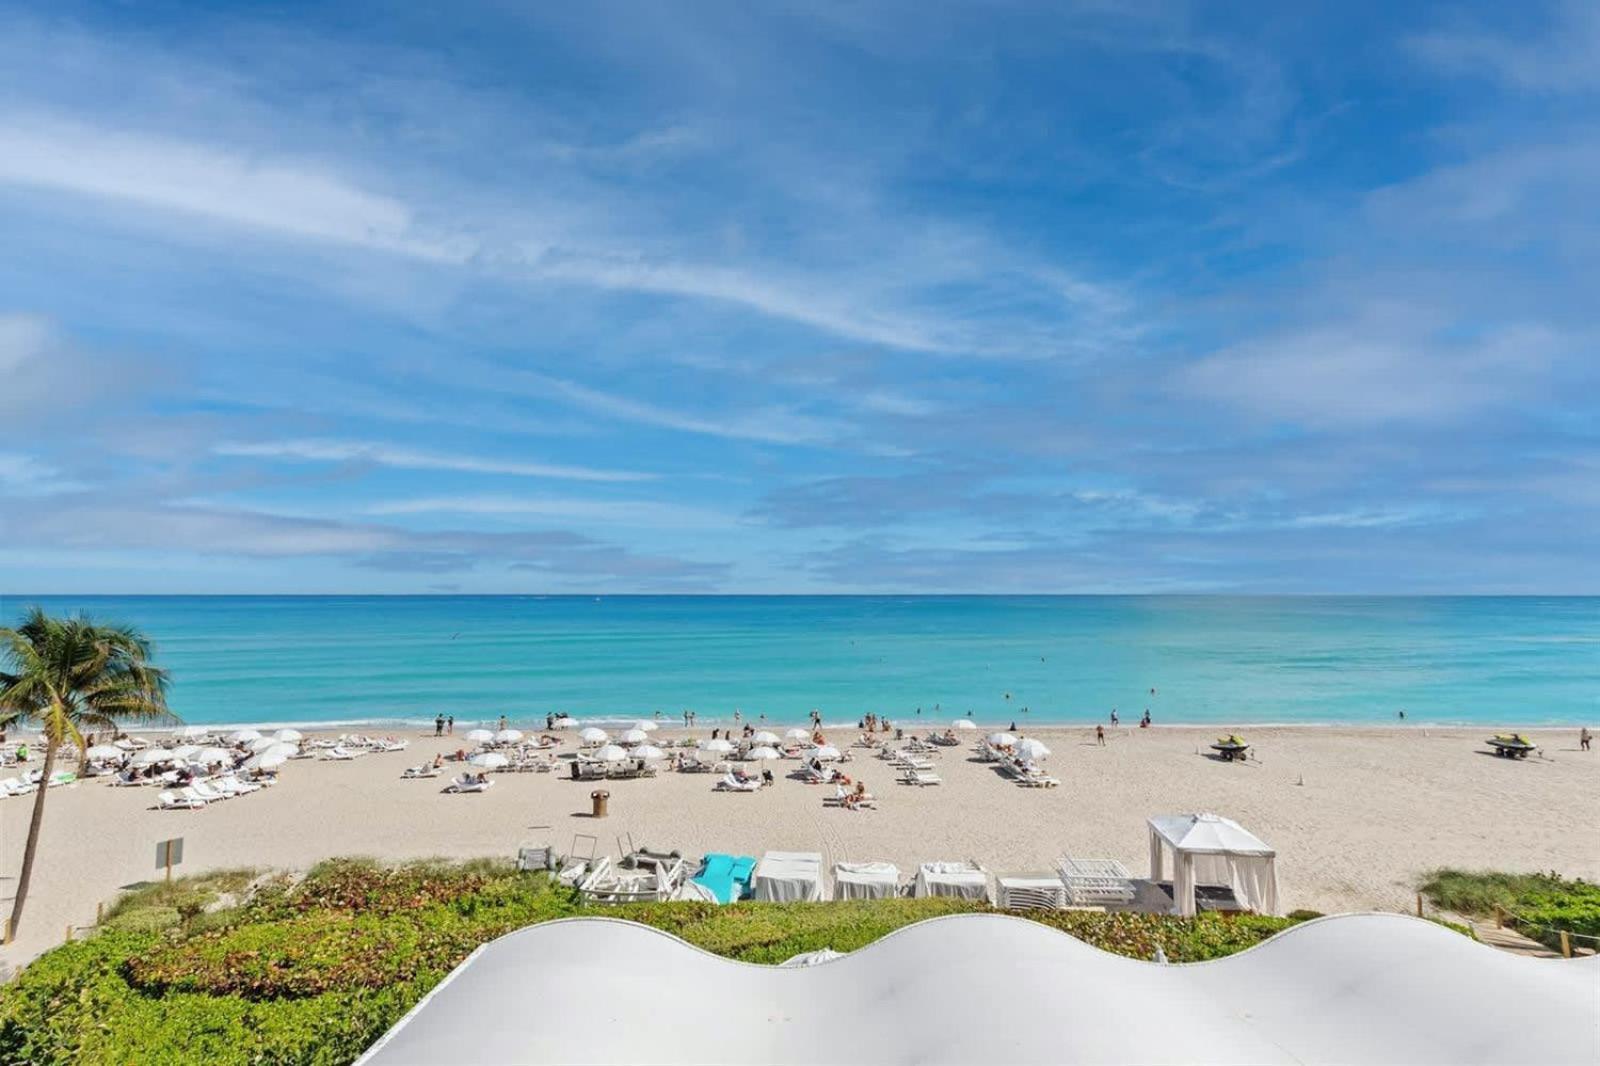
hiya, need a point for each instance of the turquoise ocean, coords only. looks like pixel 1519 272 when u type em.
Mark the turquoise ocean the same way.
pixel 1046 659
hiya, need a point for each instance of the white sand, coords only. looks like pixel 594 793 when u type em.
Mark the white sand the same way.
pixel 1377 807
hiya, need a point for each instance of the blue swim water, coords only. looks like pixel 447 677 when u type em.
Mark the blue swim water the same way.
pixel 1233 661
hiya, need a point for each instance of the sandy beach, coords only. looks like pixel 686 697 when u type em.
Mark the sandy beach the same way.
pixel 1355 815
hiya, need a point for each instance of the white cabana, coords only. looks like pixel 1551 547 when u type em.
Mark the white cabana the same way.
pixel 480 736
pixel 508 736
pixel 609 753
pixel 788 876
pixel 961 879
pixel 593 735
pixel 489 760
pixel 865 880
pixel 1208 849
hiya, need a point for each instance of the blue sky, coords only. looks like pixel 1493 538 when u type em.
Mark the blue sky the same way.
pixel 1069 297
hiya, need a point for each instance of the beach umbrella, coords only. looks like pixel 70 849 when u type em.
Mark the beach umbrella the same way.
pixel 647 725
pixel 720 746
pixel 508 736
pixel 610 752
pixel 635 736
pixel 189 732
pixel 1028 748
pixel 262 743
pixel 104 751
pixel 764 737
pixel 152 755
pixel 279 749
pixel 824 753
pixel 480 736
pixel 185 751
pixel 648 751
pixel 213 756
pixel 564 721
pixel 1002 740
pixel 489 760
pixel 289 736
pixel 962 723
pixel 243 736
pixel 797 734
pixel 593 735
pixel 763 753
pixel 262 760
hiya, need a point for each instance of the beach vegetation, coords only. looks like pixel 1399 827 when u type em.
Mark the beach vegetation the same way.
pixel 237 967
pixel 70 676
pixel 1539 905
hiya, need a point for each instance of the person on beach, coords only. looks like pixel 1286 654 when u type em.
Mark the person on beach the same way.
pixel 1402 714
pixel 450 725
pixel 1144 723
pixel 438 725
pixel 1100 734
pixel 502 723
pixel 1584 738
pixel 1012 728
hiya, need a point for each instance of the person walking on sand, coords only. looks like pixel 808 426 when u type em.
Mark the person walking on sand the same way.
pixel 1584 738
pixel 502 727
pixel 1100 734
pixel 1113 716
pixel 438 725
pixel 450 725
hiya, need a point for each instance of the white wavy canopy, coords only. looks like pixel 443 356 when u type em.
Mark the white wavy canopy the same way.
pixel 1364 988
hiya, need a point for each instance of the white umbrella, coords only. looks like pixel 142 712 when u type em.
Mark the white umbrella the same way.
pixel 243 736
pixel 213 756
pixel 635 736
pixel 262 760
pixel 825 753
pixel 593 735
pixel 262 743
pixel 489 760
pixel 152 755
pixel 186 751
pixel 1002 740
pixel 279 749
pixel 647 725
pixel 289 736
pixel 508 736
pixel 763 753
pixel 480 736
pixel 564 721
pixel 718 745
pixel 610 752
pixel 1028 748
pixel 189 732
pixel 963 723
pixel 648 751
pixel 104 751
pixel 765 737
pixel 797 734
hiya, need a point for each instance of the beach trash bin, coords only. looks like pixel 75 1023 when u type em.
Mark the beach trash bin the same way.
pixel 600 796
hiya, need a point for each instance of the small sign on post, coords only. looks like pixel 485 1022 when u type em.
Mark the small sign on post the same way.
pixel 169 853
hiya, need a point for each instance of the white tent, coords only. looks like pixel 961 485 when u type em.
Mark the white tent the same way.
pixel 788 876
pixel 962 879
pixel 1357 989
pixel 865 880
pixel 1209 849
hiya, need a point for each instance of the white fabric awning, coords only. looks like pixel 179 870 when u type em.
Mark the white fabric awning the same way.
pixel 865 880
pixel 788 876
pixel 961 879
pixel 1208 849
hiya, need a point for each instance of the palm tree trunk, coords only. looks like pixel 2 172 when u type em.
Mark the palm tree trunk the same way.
pixel 51 744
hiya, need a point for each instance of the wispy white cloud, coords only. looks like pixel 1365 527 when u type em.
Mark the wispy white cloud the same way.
pixel 1561 57
pixel 380 454
pixel 573 511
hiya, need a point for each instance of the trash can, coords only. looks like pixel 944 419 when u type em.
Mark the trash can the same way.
pixel 600 796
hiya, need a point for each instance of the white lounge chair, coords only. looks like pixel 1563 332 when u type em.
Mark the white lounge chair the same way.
pixel 172 801
pixel 913 776
pixel 427 769
pixel 15 786
pixel 229 785
pixel 463 784
pixel 340 753
pixel 729 783
pixel 208 792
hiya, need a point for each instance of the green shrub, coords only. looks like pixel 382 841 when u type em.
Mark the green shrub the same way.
pixel 1538 905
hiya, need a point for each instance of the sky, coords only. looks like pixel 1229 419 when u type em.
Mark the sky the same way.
pixel 1086 296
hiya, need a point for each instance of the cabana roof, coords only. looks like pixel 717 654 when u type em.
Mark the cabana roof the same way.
pixel 1207 834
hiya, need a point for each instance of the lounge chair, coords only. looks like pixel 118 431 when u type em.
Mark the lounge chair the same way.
pixel 463 784
pixel 913 776
pixel 188 792
pixel 15 786
pixel 208 792
pixel 232 786
pixel 729 783
pixel 840 794
pixel 171 801
pixel 427 769
pixel 340 753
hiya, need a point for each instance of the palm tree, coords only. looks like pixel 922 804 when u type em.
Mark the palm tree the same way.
pixel 64 674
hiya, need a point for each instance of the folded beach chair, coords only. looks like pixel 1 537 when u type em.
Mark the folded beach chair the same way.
pixel 171 801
